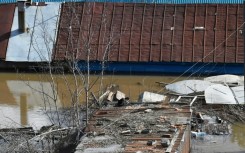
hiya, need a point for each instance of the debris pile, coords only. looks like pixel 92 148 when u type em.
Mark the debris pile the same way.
pixel 47 139
pixel 222 89
pixel 149 125
pixel 113 95
pixel 216 103
pixel 138 127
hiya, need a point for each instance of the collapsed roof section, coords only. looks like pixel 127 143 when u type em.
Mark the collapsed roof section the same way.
pixel 156 128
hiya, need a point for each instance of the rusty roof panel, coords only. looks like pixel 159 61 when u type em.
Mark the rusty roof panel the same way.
pixel 153 32
pixel 6 19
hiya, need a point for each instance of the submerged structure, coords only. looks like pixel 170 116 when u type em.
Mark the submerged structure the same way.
pixel 129 37
pixel 155 128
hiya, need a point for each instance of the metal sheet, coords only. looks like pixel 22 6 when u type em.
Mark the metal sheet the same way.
pixel 35 45
pixel 188 87
pixel 226 79
pixel 6 19
pixel 220 94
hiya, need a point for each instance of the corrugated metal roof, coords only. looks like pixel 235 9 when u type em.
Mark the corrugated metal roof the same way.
pixel 6 20
pixel 151 32
pixel 144 1
pixel 37 43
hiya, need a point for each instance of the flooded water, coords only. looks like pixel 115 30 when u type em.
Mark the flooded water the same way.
pixel 22 102
pixel 232 143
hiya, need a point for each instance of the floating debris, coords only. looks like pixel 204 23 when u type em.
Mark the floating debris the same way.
pixel 220 94
pixel 187 87
pixel 231 80
pixel 146 97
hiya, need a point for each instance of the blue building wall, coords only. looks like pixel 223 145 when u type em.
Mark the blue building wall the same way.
pixel 175 68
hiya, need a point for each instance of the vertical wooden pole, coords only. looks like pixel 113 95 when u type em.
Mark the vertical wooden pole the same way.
pixel 23 110
pixel 21 15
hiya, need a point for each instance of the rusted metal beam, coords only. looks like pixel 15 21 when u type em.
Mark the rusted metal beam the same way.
pixel 131 29
pixel 69 35
pixel 121 31
pixel 112 19
pixel 80 30
pixel 161 43
pixel 100 25
pixel 237 34
pixel 172 40
pixel 193 40
pixel 152 26
pixel 226 29
pixel 90 25
pixel 183 36
pixel 215 34
pixel 204 36
pixel 141 31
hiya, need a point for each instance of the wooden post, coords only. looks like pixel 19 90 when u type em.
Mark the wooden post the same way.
pixel 21 15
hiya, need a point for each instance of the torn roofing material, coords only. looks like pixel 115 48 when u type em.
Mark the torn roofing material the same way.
pixel 226 79
pixel 220 94
pixel 186 87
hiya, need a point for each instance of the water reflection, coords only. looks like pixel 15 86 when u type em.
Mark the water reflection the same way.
pixel 23 96
pixel 16 116
pixel 23 109
pixel 22 103
pixel 238 134
pixel 34 93
pixel 14 86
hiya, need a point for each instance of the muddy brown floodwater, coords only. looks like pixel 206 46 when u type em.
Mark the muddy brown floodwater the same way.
pixel 232 143
pixel 21 105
